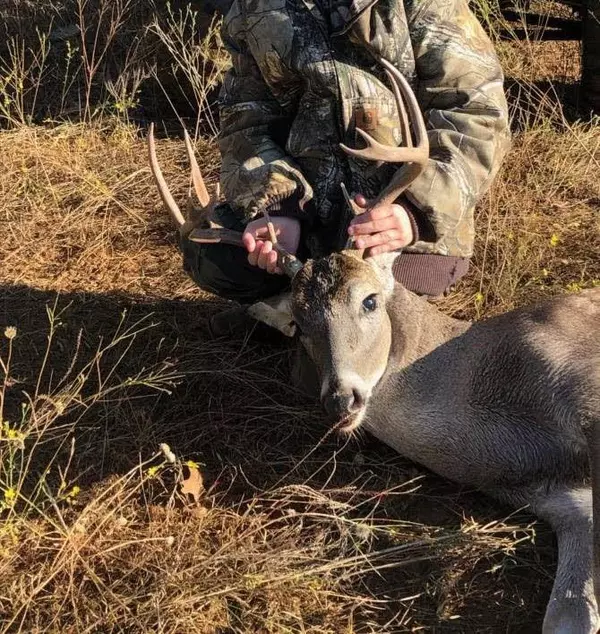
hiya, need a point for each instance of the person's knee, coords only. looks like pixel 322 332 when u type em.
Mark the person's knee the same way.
pixel 225 271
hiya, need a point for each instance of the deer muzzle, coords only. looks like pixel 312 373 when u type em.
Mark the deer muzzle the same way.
pixel 344 405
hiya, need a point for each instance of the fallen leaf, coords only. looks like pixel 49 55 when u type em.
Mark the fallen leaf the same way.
pixel 199 512
pixel 193 484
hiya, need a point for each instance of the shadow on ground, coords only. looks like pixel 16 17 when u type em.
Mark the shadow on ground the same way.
pixel 233 411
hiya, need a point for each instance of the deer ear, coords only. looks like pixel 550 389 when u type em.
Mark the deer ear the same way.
pixel 275 312
pixel 383 265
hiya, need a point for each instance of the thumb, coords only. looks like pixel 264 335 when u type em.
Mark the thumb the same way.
pixel 360 200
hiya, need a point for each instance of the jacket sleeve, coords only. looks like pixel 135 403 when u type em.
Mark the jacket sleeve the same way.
pixel 256 173
pixel 460 90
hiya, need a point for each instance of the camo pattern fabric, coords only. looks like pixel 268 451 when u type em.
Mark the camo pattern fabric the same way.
pixel 304 77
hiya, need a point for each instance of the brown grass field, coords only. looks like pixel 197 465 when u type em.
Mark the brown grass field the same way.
pixel 104 355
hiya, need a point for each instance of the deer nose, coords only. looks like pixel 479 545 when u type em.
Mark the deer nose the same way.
pixel 342 403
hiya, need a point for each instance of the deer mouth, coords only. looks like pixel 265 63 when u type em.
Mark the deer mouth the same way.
pixel 349 422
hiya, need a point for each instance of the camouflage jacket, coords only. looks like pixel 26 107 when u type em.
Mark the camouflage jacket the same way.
pixel 303 77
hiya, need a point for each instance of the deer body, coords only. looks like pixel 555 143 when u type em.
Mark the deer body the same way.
pixel 469 401
pixel 508 405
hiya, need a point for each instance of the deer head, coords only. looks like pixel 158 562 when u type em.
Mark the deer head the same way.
pixel 338 303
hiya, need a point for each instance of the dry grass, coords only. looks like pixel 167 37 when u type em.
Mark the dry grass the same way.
pixel 540 225
pixel 297 531
pixel 82 213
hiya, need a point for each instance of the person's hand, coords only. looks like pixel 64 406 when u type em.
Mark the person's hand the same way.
pixel 260 248
pixel 383 228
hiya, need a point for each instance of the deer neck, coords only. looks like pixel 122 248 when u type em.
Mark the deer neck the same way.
pixel 418 327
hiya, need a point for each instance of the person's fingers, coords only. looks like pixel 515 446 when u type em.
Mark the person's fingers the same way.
pixel 261 232
pixel 373 226
pixel 263 257
pixel 381 238
pixel 272 263
pixel 257 228
pixel 248 241
pixel 360 200
pixel 253 257
pixel 376 213
pixel 393 245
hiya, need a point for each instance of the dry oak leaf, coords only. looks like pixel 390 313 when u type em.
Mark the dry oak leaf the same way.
pixel 193 484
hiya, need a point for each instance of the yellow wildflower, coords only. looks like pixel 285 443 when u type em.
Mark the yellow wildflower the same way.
pixel 10 496
pixel 11 433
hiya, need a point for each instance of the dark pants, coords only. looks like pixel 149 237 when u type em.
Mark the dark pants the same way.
pixel 224 270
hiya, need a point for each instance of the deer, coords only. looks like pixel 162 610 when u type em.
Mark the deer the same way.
pixel 508 405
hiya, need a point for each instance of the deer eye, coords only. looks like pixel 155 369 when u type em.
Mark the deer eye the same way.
pixel 370 303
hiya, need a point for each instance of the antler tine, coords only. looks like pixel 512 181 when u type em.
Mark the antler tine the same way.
pixel 400 181
pixel 199 186
pixel 161 183
pixel 207 236
pixel 376 151
pixel 405 130
pixel 216 235
pixel 402 89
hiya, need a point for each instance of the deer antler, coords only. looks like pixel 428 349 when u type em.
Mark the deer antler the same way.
pixel 415 156
pixel 214 233
pixel 197 180
pixel 161 183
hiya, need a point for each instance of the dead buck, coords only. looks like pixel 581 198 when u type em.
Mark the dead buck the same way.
pixel 510 405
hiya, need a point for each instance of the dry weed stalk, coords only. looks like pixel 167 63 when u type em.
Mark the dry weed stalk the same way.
pixel 201 59
pixel 110 16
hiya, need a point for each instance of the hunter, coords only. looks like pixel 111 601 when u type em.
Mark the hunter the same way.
pixel 303 77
